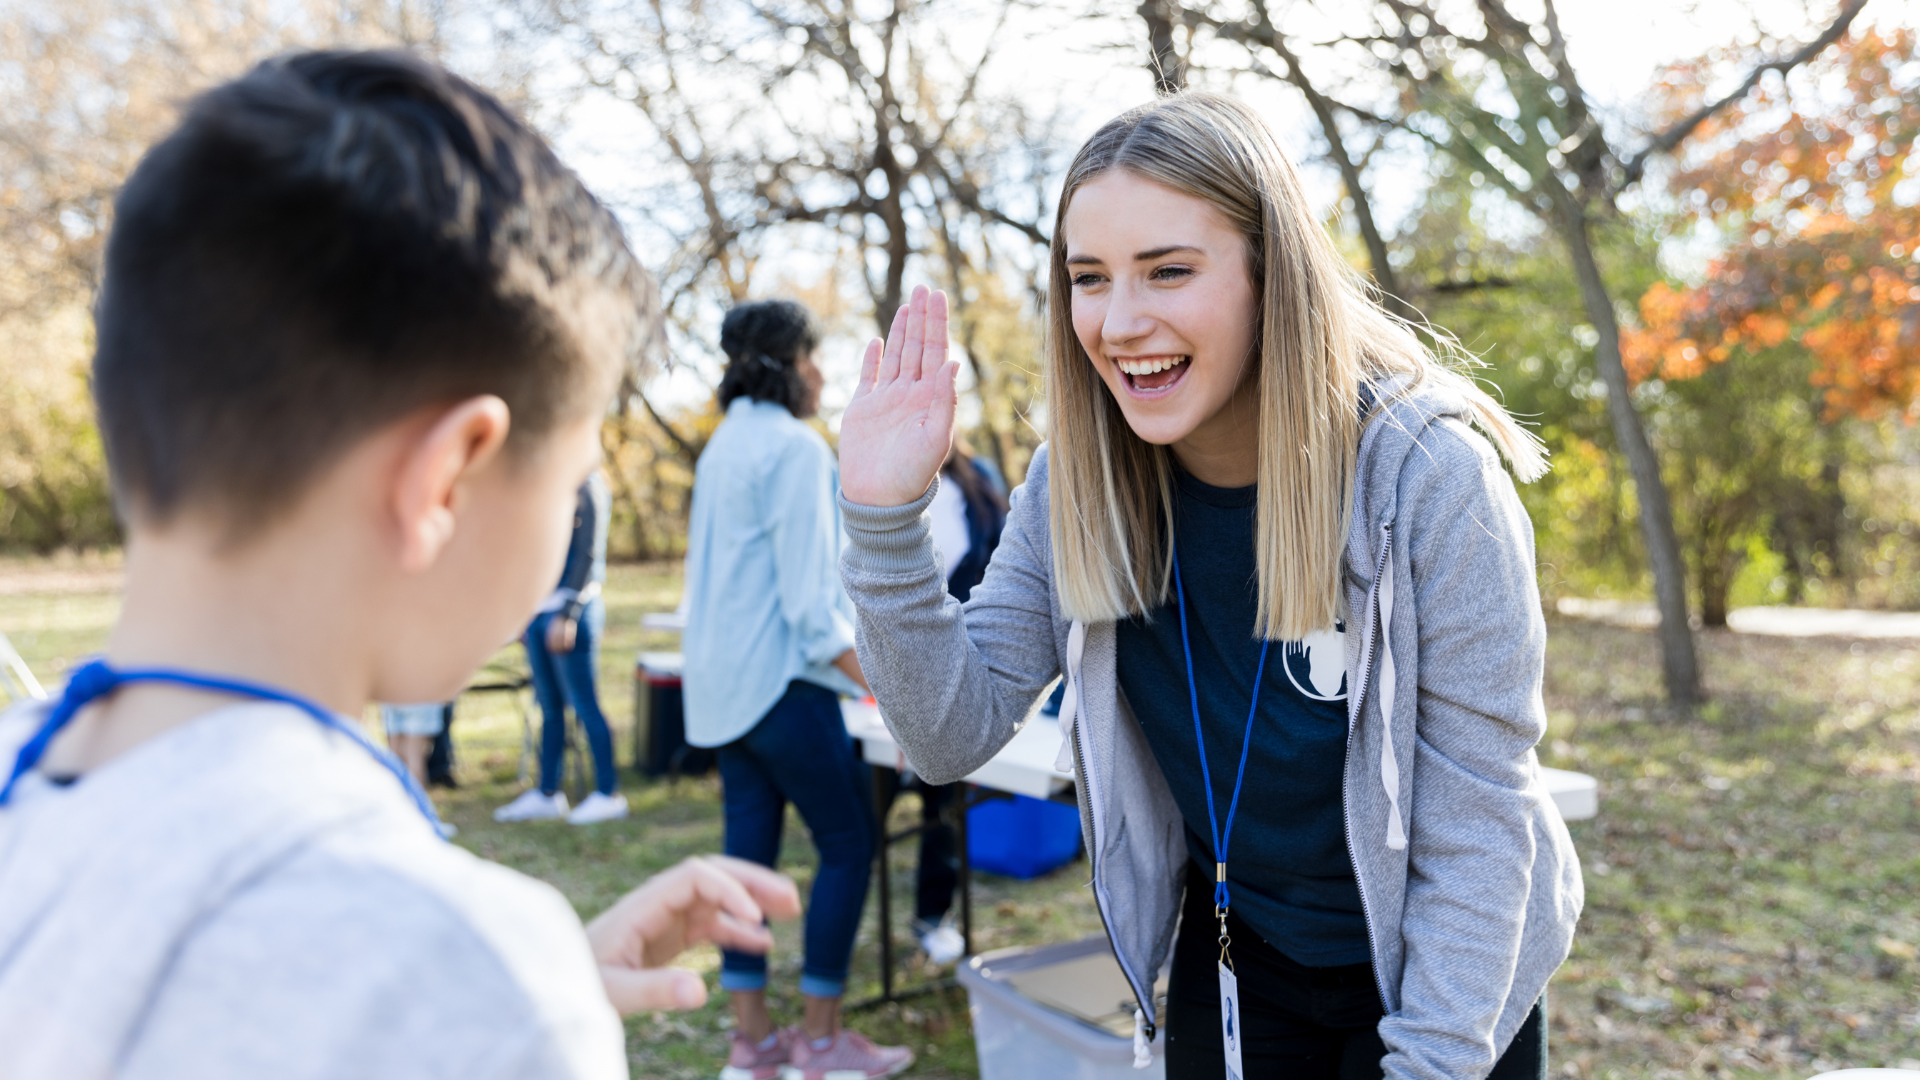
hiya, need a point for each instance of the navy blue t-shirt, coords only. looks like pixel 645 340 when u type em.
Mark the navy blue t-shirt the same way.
pixel 1287 863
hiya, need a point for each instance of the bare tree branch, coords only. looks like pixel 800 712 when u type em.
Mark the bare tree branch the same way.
pixel 687 448
pixel 1262 31
pixel 1470 285
pixel 1668 140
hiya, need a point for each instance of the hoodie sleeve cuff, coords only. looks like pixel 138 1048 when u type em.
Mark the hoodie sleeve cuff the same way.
pixel 890 539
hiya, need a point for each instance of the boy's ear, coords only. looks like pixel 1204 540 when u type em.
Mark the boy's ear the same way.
pixel 460 441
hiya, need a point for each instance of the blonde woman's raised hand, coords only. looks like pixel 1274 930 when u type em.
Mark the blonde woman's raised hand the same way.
pixel 899 428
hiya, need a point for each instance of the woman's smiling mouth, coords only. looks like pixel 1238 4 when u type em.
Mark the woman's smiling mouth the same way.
pixel 1151 376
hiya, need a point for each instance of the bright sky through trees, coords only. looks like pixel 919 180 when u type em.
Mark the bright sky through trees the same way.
pixel 1053 56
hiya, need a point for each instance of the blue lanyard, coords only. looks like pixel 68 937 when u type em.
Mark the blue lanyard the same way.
pixel 1222 900
pixel 95 679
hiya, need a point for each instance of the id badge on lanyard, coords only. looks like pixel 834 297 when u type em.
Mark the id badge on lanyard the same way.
pixel 1230 1021
pixel 1231 1028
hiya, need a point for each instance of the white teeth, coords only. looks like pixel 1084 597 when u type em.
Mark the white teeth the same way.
pixel 1149 366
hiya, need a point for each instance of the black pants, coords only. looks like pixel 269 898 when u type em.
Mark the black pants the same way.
pixel 1297 1021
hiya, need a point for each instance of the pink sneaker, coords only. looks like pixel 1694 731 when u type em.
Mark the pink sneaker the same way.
pixel 746 1060
pixel 851 1057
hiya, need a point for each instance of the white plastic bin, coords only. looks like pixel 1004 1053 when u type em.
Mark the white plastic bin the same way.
pixel 1062 1012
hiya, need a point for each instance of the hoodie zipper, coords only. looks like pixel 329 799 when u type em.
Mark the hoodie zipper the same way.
pixel 1093 862
pixel 1353 720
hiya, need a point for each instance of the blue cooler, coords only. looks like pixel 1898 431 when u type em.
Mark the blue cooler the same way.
pixel 1022 837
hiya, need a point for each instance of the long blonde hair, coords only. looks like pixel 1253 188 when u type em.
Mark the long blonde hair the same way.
pixel 1322 335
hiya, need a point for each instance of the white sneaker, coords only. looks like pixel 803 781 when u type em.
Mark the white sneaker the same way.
pixel 943 944
pixel 532 805
pixel 596 808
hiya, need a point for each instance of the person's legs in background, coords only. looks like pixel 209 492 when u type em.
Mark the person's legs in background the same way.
pixel 441 761
pixel 938 875
pixel 803 749
pixel 551 695
pixel 755 813
pixel 412 752
pixel 547 800
pixel 410 733
pixel 579 683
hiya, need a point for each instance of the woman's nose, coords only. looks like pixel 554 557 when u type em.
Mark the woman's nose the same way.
pixel 1128 318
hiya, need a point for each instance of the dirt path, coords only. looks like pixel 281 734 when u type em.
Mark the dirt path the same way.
pixel 1769 621
pixel 60 576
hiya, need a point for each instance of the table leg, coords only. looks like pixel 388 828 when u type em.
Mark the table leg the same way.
pixel 880 846
pixel 957 805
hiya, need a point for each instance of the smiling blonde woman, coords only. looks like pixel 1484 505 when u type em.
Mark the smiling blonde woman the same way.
pixel 1339 845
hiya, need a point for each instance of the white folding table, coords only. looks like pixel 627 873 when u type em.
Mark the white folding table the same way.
pixel 1025 765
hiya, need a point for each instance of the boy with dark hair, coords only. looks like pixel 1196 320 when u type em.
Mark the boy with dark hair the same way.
pixel 357 331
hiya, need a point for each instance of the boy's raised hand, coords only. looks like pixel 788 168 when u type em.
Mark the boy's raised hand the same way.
pixel 705 898
pixel 899 428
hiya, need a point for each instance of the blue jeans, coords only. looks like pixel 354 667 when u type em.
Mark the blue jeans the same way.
pixel 562 679
pixel 800 752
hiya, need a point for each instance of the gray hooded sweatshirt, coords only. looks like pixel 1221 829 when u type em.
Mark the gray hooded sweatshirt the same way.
pixel 1467 875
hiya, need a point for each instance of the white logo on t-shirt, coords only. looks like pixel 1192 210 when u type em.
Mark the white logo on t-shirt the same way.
pixel 1317 664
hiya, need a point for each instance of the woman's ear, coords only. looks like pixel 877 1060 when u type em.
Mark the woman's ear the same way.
pixel 459 442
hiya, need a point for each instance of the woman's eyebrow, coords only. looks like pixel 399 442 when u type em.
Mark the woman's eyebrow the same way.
pixel 1143 256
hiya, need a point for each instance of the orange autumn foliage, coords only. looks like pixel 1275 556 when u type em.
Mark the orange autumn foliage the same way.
pixel 1817 184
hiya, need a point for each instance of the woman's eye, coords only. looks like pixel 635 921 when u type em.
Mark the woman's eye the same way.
pixel 1172 273
pixel 1085 281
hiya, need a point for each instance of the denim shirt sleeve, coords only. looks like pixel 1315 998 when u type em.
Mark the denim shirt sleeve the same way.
pixel 804 521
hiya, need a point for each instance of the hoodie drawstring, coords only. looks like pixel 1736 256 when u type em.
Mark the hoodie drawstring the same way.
pixel 1389 765
pixel 1070 700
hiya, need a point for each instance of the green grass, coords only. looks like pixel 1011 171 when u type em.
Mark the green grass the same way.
pixel 1751 880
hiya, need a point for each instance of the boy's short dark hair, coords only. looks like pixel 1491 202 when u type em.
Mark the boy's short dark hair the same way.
pixel 763 341
pixel 326 244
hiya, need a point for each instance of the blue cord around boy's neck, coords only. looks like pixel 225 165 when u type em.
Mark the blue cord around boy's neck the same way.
pixel 96 679
pixel 1222 899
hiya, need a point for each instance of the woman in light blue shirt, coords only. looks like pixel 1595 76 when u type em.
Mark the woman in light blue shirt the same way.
pixel 769 649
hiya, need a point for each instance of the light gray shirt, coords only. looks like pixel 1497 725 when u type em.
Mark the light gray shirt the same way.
pixel 252 895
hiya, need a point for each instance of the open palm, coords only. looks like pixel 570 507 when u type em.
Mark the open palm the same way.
pixel 896 433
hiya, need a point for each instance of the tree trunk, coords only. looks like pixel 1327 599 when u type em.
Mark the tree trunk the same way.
pixel 1717 566
pixel 1681 668
pixel 1163 57
pixel 1713 598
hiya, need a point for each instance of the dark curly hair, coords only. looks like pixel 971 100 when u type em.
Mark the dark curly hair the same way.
pixel 763 341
